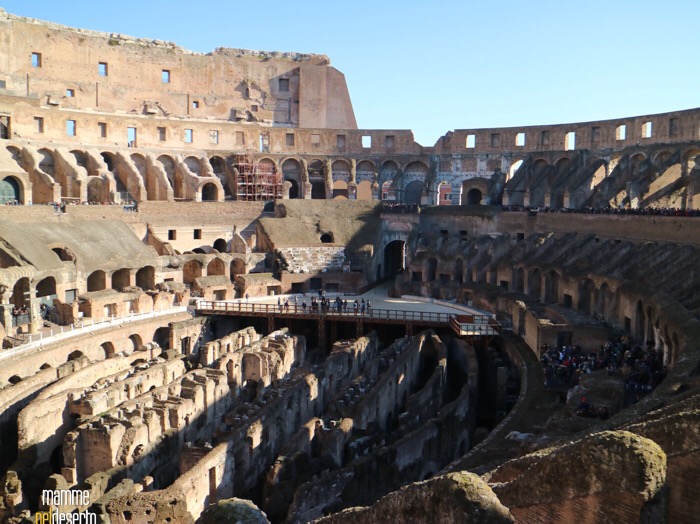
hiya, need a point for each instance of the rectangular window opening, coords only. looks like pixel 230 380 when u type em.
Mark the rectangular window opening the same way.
pixel 172 234
pixel 70 93
pixel 366 141
pixel 290 139
pixel 264 143
pixel 646 130
pixel 389 141
pixel 240 138
pixel 471 142
pixel 315 139
pixel 284 85
pixel 70 127
pixel 254 108
pixel 188 136
pixel 570 141
pixel 544 138
pixel 595 134
pixel 39 123
pixel 520 139
pixel 3 84
pixel 495 139
pixel 165 76
pixel 339 141
pixel 36 59
pixel 161 134
pixel 214 136
pixel 131 136
pixel 673 127
pixel 102 127
pixel 195 104
pixel 198 234
pixel 102 69
pixel 621 132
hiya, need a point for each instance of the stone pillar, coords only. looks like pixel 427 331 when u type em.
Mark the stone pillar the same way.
pixel 34 312
pixel 352 191
pixel 329 178
pixel 6 307
pixel 305 189
pixel 455 195
pixel 353 171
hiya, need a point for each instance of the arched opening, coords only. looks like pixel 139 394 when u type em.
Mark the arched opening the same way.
pixel 340 189
pixel 317 179
pixel 444 194
pixel 193 164
pixel 10 191
pixel 216 267
pixel 218 166
pixel 364 190
pixel 136 342
pixel 146 278
pixel 20 293
pixel 108 350
pixel 64 254
pixel 394 257
pixel 340 171
pixel 96 281
pixel 430 269
pixel 14 379
pixel 459 270
pixel 237 268
pixel 168 165
pixel 220 245
pixel 291 170
pixel 96 192
pixel 162 337
pixel 46 164
pixel 519 280
pixel 46 290
pixel 210 193
pixel 364 171
pixel 513 169
pixel 474 197
pixel 121 279
pixel 109 161
pixel 585 295
pixel 413 192
pixel 191 271
pixel 75 355
pixel 535 284
pixel 388 193
pixel 551 287
pixel 327 238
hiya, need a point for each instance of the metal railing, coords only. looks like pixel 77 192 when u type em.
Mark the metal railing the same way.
pixel 371 313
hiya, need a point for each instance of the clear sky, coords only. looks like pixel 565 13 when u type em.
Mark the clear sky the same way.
pixel 437 65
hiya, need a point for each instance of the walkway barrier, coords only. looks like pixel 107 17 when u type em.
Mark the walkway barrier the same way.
pixel 83 326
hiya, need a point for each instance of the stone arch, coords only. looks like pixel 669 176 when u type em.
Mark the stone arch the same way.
pixel 292 172
pixel 237 268
pixel 146 278
pixel 194 164
pixel 534 283
pixel 430 269
pixel 220 245
pixel 474 197
pixel 586 288
pixel 20 293
pixel 692 158
pixel 341 170
pixel 459 271
pixel 168 164
pixel 97 281
pixel 365 171
pixel 551 287
pixel 46 162
pixel 327 238
pixel 388 171
pixel 136 342
pixel 394 257
pixel 388 192
pixel 317 179
pixel 216 267
pixel 46 287
pixel 210 192
pixel 218 165
pixel 340 189
pixel 413 192
pixel 519 280
pixel 121 279
pixel 11 190
pixel 364 190
pixel 96 191
pixel 162 337
pixel 64 254
pixel 191 270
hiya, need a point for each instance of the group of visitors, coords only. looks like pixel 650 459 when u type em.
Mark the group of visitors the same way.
pixel 647 211
pixel 641 368
pixel 397 207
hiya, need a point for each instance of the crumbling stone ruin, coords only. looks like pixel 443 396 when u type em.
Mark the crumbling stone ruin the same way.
pixel 186 268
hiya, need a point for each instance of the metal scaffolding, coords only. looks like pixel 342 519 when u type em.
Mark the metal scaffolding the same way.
pixel 257 181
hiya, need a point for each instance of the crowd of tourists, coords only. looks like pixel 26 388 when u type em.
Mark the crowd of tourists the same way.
pixel 323 304
pixel 641 368
pixel 647 211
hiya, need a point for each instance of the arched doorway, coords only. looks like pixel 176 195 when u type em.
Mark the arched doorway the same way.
pixel 191 271
pixel 10 191
pixel 162 337
pixel 413 192
pixel 96 281
pixel 136 342
pixel 210 193
pixel 220 245
pixel 535 283
pixel 474 197
pixel 237 268
pixel 291 169
pixel 46 291
pixel 317 179
pixel 146 278
pixel 121 279
pixel 216 267
pixel 394 257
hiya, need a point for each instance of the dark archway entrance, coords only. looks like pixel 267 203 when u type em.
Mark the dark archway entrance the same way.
pixel 474 197
pixel 9 191
pixel 394 257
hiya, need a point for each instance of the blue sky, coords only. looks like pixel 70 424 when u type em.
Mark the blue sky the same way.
pixel 442 65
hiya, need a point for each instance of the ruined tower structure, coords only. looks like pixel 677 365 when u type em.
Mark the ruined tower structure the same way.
pixel 531 352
